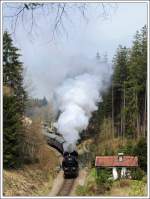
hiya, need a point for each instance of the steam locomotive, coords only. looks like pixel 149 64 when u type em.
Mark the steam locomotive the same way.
pixel 70 159
pixel 70 164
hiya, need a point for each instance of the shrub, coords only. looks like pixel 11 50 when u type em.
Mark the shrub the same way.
pixel 103 181
pixel 81 190
pixel 141 151
pixel 102 176
pixel 128 149
pixel 32 147
pixel 144 179
pixel 137 174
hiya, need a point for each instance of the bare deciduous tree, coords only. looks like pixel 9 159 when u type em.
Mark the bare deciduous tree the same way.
pixel 33 142
pixel 57 12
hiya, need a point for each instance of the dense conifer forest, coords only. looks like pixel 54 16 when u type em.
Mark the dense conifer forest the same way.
pixel 121 114
pixel 119 124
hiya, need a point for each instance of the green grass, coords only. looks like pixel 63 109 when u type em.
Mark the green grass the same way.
pixel 128 187
pixel 138 188
pixel 90 185
pixel 123 187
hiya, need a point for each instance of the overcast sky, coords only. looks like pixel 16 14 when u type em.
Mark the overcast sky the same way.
pixel 48 62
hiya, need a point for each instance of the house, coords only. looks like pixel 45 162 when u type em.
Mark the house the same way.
pixel 120 164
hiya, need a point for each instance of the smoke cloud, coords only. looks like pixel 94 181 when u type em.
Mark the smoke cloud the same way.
pixel 77 98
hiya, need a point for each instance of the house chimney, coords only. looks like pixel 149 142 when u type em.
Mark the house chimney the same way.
pixel 120 157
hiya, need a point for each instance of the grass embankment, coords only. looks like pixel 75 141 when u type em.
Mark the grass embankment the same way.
pixel 32 179
pixel 123 187
pixel 128 188
pixel 89 188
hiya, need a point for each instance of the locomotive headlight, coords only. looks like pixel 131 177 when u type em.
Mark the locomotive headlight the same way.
pixel 66 168
pixel 73 168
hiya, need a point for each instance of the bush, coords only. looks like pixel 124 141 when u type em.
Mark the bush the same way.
pixel 144 179
pixel 81 190
pixel 141 151
pixel 33 145
pixel 89 188
pixel 103 181
pixel 102 176
pixel 137 174
pixel 128 149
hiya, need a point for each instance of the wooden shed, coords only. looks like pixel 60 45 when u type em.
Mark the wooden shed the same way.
pixel 122 163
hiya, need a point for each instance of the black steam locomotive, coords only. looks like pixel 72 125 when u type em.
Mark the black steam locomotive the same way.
pixel 70 160
pixel 70 164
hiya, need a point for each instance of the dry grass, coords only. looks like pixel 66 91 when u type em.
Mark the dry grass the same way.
pixel 32 180
pixel 124 183
pixel 111 145
pixel 84 146
pixel 106 143
pixel 8 91
pixel 33 142
pixel 128 188
pixel 36 176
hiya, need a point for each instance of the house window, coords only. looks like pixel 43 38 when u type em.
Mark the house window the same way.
pixel 120 157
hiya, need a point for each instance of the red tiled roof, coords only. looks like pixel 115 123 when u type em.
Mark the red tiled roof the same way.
pixel 112 161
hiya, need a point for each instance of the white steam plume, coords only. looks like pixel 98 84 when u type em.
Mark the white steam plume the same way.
pixel 76 99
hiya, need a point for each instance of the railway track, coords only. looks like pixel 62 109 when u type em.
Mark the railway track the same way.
pixel 66 187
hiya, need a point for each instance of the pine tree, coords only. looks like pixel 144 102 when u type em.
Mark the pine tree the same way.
pixel 120 63
pixel 13 103
pixel 12 128
pixel 124 104
pixel 136 83
pixel 12 71
pixel 44 101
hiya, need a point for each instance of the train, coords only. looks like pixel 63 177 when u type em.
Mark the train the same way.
pixel 70 164
pixel 55 141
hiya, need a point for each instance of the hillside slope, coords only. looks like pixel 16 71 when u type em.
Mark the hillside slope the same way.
pixel 33 179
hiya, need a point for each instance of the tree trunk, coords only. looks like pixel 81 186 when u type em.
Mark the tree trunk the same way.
pixel 124 113
pixel 145 113
pixel 112 112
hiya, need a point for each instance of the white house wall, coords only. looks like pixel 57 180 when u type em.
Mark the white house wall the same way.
pixel 115 173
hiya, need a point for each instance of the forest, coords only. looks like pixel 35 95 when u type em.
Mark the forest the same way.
pixel 119 122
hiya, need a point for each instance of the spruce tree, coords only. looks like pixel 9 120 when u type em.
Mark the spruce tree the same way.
pixel 136 82
pixel 119 78
pixel 13 103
